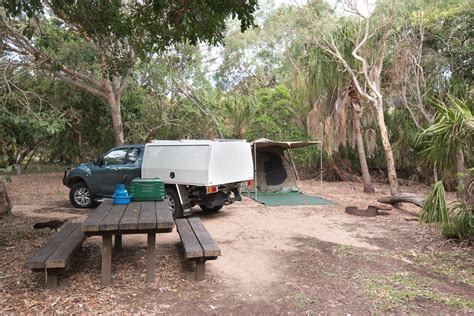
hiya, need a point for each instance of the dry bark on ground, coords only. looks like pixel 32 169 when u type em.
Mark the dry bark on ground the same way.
pixel 275 260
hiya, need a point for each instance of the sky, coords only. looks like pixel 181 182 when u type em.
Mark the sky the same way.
pixel 365 6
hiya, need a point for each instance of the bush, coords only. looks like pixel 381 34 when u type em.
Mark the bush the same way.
pixel 434 209
pixel 462 223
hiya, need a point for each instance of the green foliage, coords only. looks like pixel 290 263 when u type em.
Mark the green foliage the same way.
pixel 147 26
pixel 403 134
pixel 238 113
pixel 5 174
pixel 434 210
pixel 449 49
pixel 27 121
pixel 462 222
pixel 277 115
pixel 452 131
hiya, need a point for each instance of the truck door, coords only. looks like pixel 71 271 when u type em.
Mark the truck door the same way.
pixel 108 173
pixel 132 166
pixel 115 165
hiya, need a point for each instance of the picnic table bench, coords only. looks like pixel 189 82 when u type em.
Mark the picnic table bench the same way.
pixel 135 218
pixel 54 256
pixel 198 244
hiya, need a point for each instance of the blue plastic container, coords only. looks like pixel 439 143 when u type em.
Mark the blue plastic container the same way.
pixel 121 195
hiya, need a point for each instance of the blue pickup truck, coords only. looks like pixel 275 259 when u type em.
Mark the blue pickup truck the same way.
pixel 195 172
pixel 94 180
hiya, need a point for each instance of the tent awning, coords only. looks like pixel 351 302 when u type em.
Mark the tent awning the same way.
pixel 264 142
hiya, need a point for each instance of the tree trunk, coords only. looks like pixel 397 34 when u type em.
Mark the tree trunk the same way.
pixel 114 102
pixel 391 172
pixel 5 203
pixel 364 169
pixel 468 192
pixel 403 197
pixel 461 169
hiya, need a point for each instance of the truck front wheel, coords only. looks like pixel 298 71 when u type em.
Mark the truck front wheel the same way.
pixel 174 203
pixel 210 209
pixel 81 197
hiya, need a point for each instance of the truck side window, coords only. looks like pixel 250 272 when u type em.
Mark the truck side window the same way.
pixel 132 156
pixel 115 157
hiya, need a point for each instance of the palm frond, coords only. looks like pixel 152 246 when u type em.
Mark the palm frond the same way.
pixel 453 130
pixel 434 210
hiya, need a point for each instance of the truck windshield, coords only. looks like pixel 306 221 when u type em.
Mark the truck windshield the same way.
pixel 115 157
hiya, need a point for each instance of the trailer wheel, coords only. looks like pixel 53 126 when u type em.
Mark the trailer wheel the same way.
pixel 210 209
pixel 174 203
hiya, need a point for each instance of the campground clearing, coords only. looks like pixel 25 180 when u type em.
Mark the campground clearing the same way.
pixel 287 259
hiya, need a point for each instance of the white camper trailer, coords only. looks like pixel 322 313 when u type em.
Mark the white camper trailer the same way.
pixel 203 172
pixel 198 162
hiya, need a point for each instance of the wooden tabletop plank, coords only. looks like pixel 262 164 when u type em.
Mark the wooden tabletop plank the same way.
pixel 111 220
pixel 147 219
pixel 210 247
pixel 63 254
pixel 192 248
pixel 38 260
pixel 164 218
pixel 130 217
pixel 92 222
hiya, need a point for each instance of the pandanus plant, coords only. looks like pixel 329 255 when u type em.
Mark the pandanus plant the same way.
pixel 451 138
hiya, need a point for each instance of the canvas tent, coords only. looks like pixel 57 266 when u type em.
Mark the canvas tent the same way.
pixel 274 168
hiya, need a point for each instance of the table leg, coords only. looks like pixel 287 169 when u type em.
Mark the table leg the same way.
pixel 107 259
pixel 118 242
pixel 150 258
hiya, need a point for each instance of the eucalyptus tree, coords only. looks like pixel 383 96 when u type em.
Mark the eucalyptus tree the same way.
pixel 27 119
pixel 370 45
pixel 432 57
pixel 95 45
pixel 261 57
pixel 335 90
pixel 448 46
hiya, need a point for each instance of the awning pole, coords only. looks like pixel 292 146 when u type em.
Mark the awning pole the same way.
pixel 293 167
pixel 321 170
pixel 255 169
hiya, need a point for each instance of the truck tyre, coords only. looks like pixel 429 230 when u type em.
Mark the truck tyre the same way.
pixel 210 209
pixel 174 203
pixel 81 197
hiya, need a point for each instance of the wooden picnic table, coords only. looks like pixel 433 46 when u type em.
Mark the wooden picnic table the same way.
pixel 135 218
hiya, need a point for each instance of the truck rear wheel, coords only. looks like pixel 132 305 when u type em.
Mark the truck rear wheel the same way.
pixel 174 203
pixel 210 209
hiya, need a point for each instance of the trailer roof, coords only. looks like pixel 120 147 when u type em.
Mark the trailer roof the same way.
pixel 194 141
pixel 264 142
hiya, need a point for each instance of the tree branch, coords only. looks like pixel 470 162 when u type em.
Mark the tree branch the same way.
pixel 81 85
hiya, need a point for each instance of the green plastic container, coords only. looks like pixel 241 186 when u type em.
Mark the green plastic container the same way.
pixel 147 189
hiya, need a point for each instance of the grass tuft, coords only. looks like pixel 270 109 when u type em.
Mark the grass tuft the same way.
pixel 397 291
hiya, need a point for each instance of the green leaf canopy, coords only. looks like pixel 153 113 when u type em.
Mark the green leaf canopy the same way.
pixel 148 26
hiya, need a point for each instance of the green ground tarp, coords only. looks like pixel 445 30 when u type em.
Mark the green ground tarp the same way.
pixel 287 198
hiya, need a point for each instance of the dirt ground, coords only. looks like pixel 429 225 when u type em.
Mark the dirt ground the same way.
pixel 296 260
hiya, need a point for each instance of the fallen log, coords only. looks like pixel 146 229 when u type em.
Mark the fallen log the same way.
pixel 402 197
